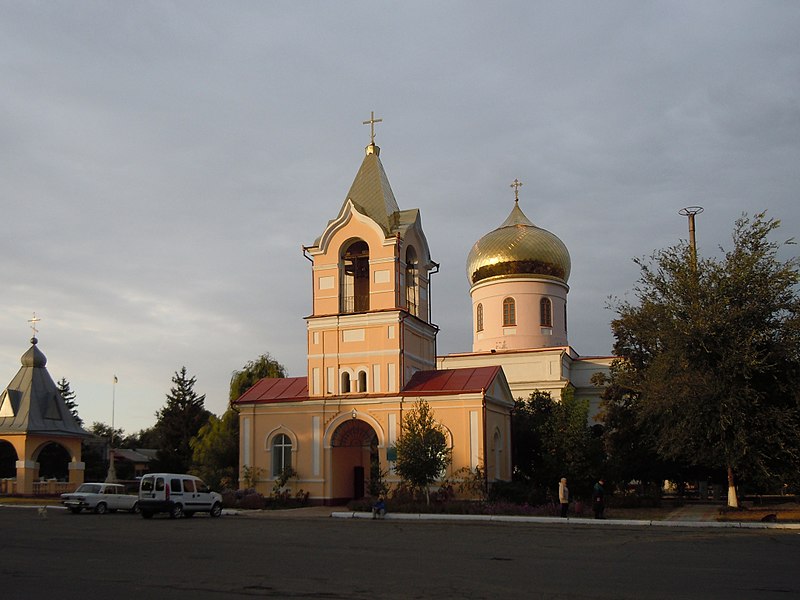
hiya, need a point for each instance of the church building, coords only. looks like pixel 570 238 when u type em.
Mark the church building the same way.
pixel 518 275
pixel 372 349
pixel 40 440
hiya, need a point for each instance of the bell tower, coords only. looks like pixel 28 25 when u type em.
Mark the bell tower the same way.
pixel 370 327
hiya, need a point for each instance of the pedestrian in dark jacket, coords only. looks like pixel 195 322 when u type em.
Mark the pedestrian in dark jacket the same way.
pixel 379 508
pixel 599 500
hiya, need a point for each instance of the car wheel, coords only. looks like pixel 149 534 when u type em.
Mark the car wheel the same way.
pixel 146 514
pixel 74 510
pixel 135 508
pixel 101 508
pixel 216 510
pixel 176 512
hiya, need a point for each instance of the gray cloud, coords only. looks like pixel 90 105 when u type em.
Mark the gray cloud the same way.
pixel 163 163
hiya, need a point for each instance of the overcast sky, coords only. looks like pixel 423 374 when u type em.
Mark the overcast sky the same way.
pixel 162 163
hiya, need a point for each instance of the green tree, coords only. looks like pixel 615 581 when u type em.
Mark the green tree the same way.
pixel 215 450
pixel 69 399
pixel 629 445
pixel 553 439
pixel 422 450
pixel 104 432
pixel 178 422
pixel 144 438
pixel 713 348
pixel 94 450
pixel 241 381
pixel 263 366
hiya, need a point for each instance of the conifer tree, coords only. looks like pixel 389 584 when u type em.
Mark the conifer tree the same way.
pixel 69 399
pixel 178 422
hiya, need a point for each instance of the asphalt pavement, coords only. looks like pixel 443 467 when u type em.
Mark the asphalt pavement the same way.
pixel 310 554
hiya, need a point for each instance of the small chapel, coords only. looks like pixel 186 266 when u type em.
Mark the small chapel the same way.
pixel 372 349
pixel 40 440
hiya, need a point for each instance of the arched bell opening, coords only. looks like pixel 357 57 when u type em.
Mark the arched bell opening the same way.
pixel 412 281
pixel 354 292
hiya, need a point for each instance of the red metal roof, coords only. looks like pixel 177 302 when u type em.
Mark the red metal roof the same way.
pixel 451 381
pixel 276 389
pixel 445 381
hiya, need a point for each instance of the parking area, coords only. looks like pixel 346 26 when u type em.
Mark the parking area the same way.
pixel 125 556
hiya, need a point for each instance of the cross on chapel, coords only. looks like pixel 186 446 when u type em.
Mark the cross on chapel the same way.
pixel 33 323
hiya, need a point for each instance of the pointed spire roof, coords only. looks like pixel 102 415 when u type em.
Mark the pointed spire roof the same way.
pixel 371 192
pixel 371 195
pixel 32 403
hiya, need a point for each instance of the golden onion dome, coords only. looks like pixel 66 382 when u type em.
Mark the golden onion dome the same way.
pixel 516 248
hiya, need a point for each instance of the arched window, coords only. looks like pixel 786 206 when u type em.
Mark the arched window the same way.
pixel 281 454
pixel 354 290
pixel 479 318
pixel 545 312
pixel 345 387
pixel 362 381
pixel 509 312
pixel 412 283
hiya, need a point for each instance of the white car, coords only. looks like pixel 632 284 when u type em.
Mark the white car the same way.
pixel 100 498
pixel 178 494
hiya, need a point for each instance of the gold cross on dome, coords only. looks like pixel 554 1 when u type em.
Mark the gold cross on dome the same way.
pixel 371 123
pixel 33 323
pixel 516 184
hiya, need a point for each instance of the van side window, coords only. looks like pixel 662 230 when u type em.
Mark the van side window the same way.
pixel 202 487
pixel 160 484
pixel 147 484
pixel 188 486
pixel 175 486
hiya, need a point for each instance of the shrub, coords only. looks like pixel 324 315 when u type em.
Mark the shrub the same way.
pixel 519 492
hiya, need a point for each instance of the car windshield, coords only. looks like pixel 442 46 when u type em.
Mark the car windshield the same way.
pixel 89 488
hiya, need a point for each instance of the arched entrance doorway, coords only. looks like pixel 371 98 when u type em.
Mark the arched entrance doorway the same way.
pixel 8 460
pixel 54 462
pixel 354 447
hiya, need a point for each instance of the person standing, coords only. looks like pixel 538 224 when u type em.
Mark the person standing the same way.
pixel 379 508
pixel 599 500
pixel 563 497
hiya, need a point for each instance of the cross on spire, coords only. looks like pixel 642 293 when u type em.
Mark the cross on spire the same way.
pixel 371 123
pixel 516 184
pixel 33 323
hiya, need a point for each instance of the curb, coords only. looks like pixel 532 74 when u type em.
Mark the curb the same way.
pixel 568 521
pixel 47 506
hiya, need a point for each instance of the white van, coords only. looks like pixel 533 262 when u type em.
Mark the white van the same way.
pixel 177 494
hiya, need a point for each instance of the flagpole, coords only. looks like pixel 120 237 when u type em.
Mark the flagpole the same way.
pixel 112 473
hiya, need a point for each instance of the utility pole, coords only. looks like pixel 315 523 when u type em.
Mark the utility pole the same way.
pixel 691 211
